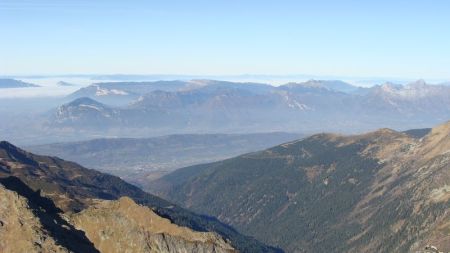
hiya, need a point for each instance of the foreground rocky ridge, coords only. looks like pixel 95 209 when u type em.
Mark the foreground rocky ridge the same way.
pixel 108 226
pixel 74 209
pixel 122 225
pixel 20 229
pixel 383 191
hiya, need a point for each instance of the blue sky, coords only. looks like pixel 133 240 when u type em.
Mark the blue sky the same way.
pixel 407 39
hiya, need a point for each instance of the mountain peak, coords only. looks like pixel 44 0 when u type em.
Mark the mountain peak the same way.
pixel 84 101
pixel 5 144
pixel 390 87
pixel 313 83
pixel 10 148
pixel 63 83
pixel 307 84
pixel 384 131
pixel 419 83
pixel 125 218
pixel 333 85
pixel 439 138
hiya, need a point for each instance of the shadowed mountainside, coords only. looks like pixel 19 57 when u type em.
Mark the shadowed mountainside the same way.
pixel 74 189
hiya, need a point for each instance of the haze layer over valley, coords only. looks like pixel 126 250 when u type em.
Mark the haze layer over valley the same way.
pixel 146 109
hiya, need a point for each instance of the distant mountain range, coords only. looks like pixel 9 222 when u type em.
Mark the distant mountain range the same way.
pixel 13 83
pixel 124 92
pixel 384 191
pixel 52 205
pixel 141 160
pixel 217 106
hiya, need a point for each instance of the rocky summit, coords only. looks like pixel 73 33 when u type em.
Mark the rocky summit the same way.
pixel 122 225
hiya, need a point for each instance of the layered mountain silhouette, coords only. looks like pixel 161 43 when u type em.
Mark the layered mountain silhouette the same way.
pixel 51 205
pixel 217 106
pixel 384 191
pixel 124 92
pixel 13 83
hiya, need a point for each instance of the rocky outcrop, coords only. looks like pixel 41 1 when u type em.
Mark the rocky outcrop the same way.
pixel 112 226
pixel 123 226
pixel 33 219
pixel 20 229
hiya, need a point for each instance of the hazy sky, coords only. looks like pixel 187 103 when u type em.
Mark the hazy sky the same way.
pixel 379 38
